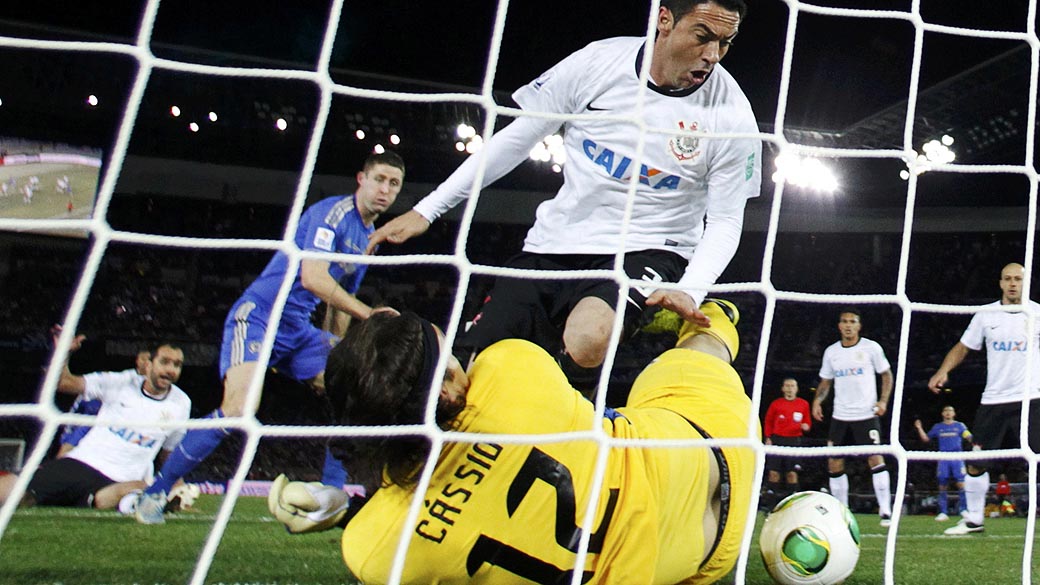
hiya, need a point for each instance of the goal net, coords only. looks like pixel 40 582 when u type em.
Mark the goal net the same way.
pixel 777 278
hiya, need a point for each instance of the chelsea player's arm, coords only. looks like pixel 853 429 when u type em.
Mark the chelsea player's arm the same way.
pixel 315 277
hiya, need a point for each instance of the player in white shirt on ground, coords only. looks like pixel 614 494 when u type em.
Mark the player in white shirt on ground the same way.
pixel 116 456
pixel 1008 344
pixel 852 366
pixel 690 188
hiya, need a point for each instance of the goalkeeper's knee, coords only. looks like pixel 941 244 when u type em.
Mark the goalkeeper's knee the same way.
pixel 724 318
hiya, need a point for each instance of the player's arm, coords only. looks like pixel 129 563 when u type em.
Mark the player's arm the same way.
pixel 315 277
pixel 822 390
pixel 953 359
pixel 503 153
pixel 920 431
pixel 336 322
pixel 886 392
pixel 68 382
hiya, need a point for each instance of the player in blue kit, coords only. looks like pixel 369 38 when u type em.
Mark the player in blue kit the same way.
pixel 950 434
pixel 340 224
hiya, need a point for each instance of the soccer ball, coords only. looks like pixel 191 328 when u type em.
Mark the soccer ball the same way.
pixel 810 538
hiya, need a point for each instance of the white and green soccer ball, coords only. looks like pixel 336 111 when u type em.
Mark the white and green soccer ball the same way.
pixel 810 538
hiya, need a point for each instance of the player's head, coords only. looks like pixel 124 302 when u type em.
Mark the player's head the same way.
pixel 692 37
pixel 380 374
pixel 948 413
pixel 379 181
pixel 1011 278
pixel 849 324
pixel 141 361
pixel 164 367
pixel 790 388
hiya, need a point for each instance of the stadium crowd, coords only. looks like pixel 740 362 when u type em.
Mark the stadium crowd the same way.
pixel 142 293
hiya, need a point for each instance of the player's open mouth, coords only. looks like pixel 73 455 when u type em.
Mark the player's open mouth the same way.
pixel 698 77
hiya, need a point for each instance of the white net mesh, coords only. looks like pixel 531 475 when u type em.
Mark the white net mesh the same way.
pixel 104 236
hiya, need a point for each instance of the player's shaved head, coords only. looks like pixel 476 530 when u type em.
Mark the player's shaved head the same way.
pixel 1011 282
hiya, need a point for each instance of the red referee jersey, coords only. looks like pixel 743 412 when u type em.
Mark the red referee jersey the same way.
pixel 785 417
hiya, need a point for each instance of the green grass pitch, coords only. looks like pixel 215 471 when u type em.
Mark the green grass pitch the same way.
pixel 74 546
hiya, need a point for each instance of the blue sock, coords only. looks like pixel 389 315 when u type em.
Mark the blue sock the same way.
pixel 942 502
pixel 333 473
pixel 194 448
pixel 962 502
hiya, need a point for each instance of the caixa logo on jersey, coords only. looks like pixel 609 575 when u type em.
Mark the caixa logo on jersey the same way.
pixel 858 371
pixel 618 166
pixel 1010 346
pixel 133 437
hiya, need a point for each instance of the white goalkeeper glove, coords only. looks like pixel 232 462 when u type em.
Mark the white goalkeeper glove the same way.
pixel 306 507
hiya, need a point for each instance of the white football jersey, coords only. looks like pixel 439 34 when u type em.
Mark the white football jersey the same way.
pixel 684 176
pixel 113 447
pixel 1007 345
pixel 854 370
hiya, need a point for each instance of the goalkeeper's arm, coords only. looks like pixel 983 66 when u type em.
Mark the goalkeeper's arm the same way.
pixel 307 506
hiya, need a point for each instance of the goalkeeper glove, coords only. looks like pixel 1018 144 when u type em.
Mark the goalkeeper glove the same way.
pixel 306 507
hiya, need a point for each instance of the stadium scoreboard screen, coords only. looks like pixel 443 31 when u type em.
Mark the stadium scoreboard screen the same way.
pixel 46 180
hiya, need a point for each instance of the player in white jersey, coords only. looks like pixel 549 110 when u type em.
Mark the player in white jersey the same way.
pixel 1008 344
pixel 852 365
pixel 71 435
pixel 116 457
pixel 690 188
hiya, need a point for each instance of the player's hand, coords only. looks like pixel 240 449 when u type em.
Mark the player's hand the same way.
pixel 768 441
pixel 306 507
pixel 817 412
pixel 681 303
pixel 936 382
pixel 398 230
pixel 389 310
pixel 77 341
pixel 918 425
pixel 805 427
pixel 880 408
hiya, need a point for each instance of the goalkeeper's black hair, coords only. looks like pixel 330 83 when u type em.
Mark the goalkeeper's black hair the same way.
pixel 372 379
pixel 680 8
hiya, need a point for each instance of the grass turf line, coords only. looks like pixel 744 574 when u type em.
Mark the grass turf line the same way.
pixel 77 546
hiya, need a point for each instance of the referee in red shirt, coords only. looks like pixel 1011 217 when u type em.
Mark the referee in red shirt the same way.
pixel 786 420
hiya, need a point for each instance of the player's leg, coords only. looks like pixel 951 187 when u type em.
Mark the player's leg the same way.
pixel 198 444
pixel 792 480
pixel 244 330
pixel 838 481
pixel 313 352
pixel 66 482
pixel 704 389
pixel 586 334
pixel 590 310
pixel 868 432
pixel 512 310
pixel 7 481
pixel 773 489
pixel 109 496
pixel 992 421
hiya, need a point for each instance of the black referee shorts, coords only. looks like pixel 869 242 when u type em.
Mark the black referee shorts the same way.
pixel 67 482
pixel 537 310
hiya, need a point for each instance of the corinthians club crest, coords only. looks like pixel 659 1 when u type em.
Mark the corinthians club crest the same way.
pixel 684 146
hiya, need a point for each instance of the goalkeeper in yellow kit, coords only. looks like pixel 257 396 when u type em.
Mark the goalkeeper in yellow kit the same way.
pixel 504 512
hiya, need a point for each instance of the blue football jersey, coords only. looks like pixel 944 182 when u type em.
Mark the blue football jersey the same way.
pixel 949 435
pixel 330 225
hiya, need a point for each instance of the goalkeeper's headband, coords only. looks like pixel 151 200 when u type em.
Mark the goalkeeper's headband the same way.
pixel 431 352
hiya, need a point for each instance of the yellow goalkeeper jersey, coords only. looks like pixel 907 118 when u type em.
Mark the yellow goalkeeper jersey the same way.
pixel 501 512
